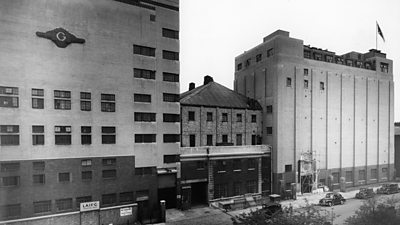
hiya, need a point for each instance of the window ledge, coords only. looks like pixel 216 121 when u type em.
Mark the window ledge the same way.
pixel 239 170
pixel 222 171
pixel 251 169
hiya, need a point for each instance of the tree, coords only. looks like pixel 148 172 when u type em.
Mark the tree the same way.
pixel 308 215
pixel 373 212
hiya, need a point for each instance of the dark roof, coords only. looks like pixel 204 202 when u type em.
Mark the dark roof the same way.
pixel 216 95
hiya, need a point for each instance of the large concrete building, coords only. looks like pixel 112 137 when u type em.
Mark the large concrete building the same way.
pixel 95 120
pixel 221 156
pixel 325 115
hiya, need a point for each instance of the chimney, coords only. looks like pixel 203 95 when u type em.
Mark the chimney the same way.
pixel 192 86
pixel 208 79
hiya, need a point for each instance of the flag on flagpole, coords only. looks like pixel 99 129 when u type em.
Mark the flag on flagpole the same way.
pixel 380 31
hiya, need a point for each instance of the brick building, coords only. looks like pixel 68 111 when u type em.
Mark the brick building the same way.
pixel 333 111
pixel 221 155
pixel 95 120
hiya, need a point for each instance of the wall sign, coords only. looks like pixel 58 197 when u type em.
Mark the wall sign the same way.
pixel 89 206
pixel 61 37
pixel 125 211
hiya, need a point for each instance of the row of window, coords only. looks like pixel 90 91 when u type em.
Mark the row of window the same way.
pixel 236 165
pixel 66 204
pixel 210 118
pixel 151 75
pixel 150 51
pixel 62 99
pixel 9 135
pixel 289 84
pixel 247 63
pixel 221 190
pixel 362 176
pixel 255 139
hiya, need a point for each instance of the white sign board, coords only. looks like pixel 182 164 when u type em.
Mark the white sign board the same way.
pixel 88 206
pixel 125 211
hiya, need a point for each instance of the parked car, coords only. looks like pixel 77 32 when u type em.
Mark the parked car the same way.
pixel 365 193
pixel 331 199
pixel 388 189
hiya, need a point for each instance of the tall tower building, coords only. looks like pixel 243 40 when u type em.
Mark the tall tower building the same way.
pixel 89 104
pixel 328 117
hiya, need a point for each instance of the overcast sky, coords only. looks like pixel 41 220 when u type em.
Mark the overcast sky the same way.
pixel 214 32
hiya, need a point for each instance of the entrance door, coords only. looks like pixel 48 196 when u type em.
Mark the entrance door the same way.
pixel 199 193
pixel 306 183
pixel 186 197
pixel 169 195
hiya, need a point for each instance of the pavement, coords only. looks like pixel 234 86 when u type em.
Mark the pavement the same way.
pixel 212 215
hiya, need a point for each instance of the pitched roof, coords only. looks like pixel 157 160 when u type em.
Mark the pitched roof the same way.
pixel 216 95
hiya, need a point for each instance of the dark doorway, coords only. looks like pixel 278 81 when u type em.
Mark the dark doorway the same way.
pixel 199 193
pixel 306 183
pixel 169 195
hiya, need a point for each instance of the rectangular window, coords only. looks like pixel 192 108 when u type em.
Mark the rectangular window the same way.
pixel 361 175
pixel 145 74
pixel 209 116
pixel 305 72
pixel 64 177
pixel 37 135
pixel 384 173
pixel 253 139
pixel 239 66
pixel 38 178
pixel 170 55
pixel 109 162
pixel 251 164
pixel 269 109
pixel 374 173
pixel 349 62
pixel 108 135
pixel 258 57
pixel 237 188
pixel 220 190
pixel 305 84
pixel 39 165
pixel 37 98
pixel 270 52
pixel 86 104
pixel 142 171
pixel 108 174
pixel 321 86
pixel 107 102
pixel 9 135
pixel 86 162
pixel 143 50
pixel 10 211
pixel 192 140
pixel 224 138
pixel 239 117
pixel 254 118
pixel 9 97
pixel 335 178
pixel 62 135
pixel 82 199
pixel 42 206
pixel 247 63
pixel 200 165
pixel 86 135
pixel 288 168
pixel 62 100
pixel 142 195
pixel 145 138
pixel 317 56
pixel 170 77
pixel 10 181
pixel 152 17
pixel 307 54
pixel 145 117
pixel 224 117
pixel 269 130
pixel 142 98
pixel 171 118
pixel 288 82
pixel 251 186
pixel 349 176
pixel 221 166
pixel 171 158
pixel 171 138
pixel 10 166
pixel 339 60
pixel 209 140
pixel 108 199
pixel 384 67
pixel 174 34
pixel 329 58
pixel 126 197
pixel 86 175
pixel 64 204
pixel 168 97
pixel 237 165
pixel 239 139
pixel 191 116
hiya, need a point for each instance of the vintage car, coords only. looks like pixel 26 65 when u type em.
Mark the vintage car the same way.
pixel 331 199
pixel 388 189
pixel 365 193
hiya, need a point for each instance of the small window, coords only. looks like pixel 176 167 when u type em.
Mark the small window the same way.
pixel 253 139
pixel 145 74
pixel 288 82
pixel 39 165
pixel 9 135
pixel 239 139
pixel 169 33
pixel 305 84
pixel 269 130
pixel 62 100
pixel 86 162
pixel 288 168
pixel 247 63
pixel 239 66
pixel 152 17
pixel 145 138
pixel 170 77
pixel 10 181
pixel 361 175
pixel 142 98
pixel 384 172
pixel 171 138
pixel 108 199
pixel 258 57
pixel 237 164
pixel 144 50
pixel 10 211
pixel 269 109
pixel 168 97
pixel 109 174
pixel 317 56
pixel 305 72
pixel 209 140
pixel 191 116
pixel 109 162
pixel 107 102
pixel 37 98
pixel 86 135
pixel 171 158
pixel 374 173
pixel 37 135
pixel 349 62
pixel 145 117
pixel 192 140
pixel 38 178
pixel 64 177
pixel 42 206
pixel 251 164
pixel 237 188
pixel 171 118
pixel 108 135
pixel 170 55
pixel 339 60
pixel 86 104
pixel 62 135
pixel 126 197
pixel 209 116
pixel 224 117
pixel 10 166
pixel 200 165
pixel 321 86
pixel 254 118
pixel 142 171
pixel 384 67
pixel 224 138
pixel 270 52
pixel 349 176
pixel 64 204
pixel 221 165
pixel 239 117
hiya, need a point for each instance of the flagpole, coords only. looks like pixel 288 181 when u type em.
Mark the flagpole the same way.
pixel 376 35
